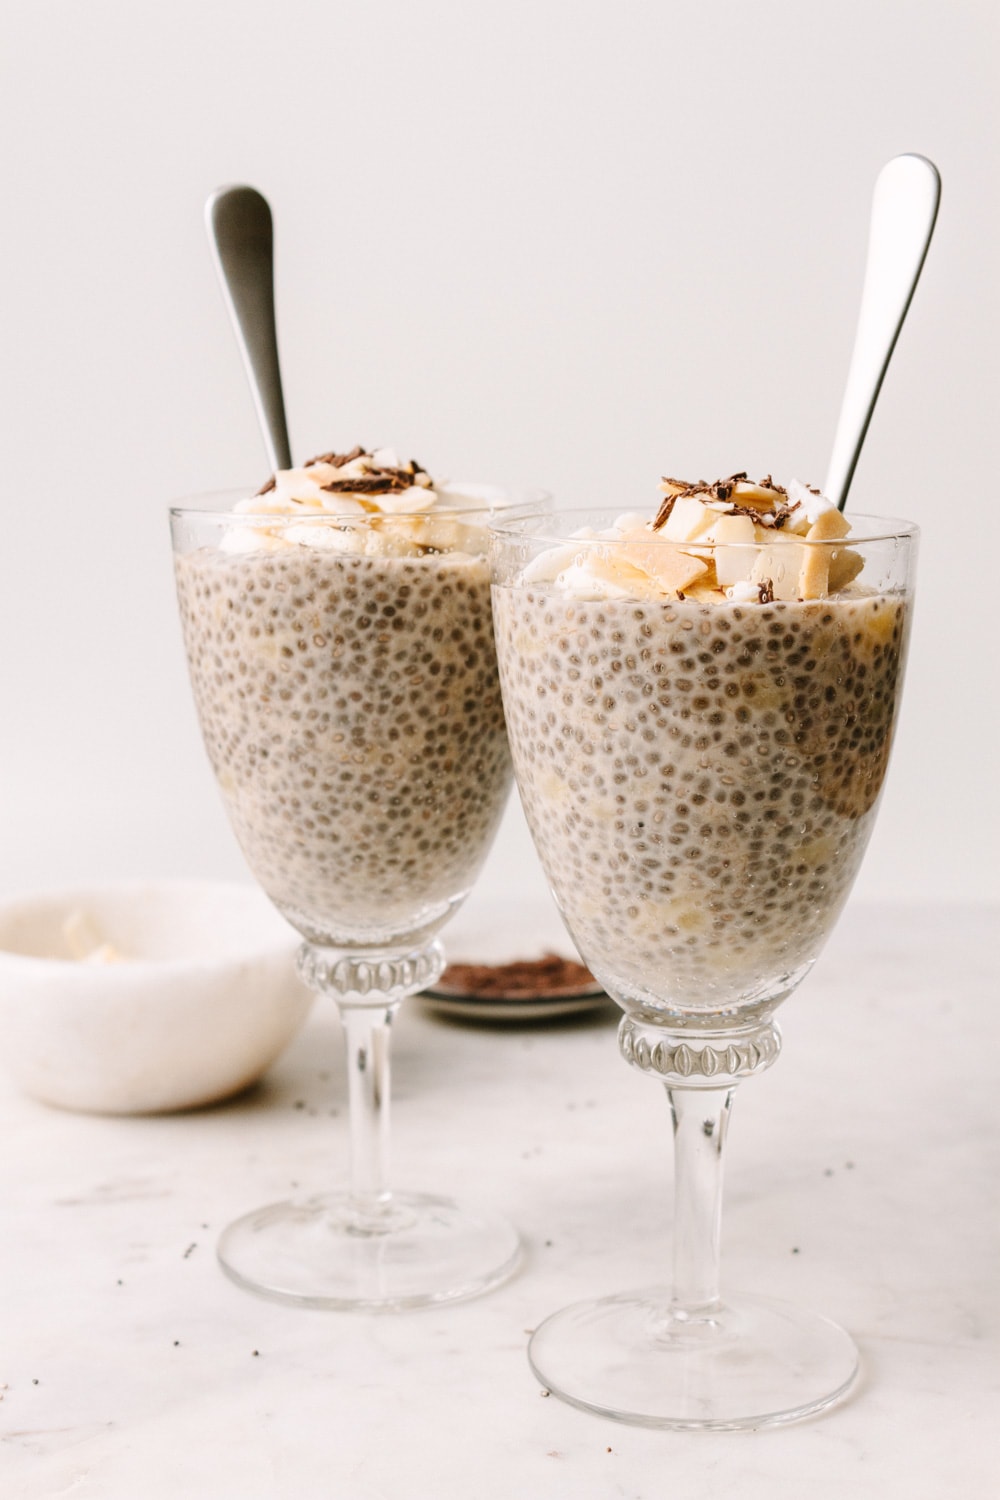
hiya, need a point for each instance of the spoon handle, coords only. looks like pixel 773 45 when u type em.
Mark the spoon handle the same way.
pixel 241 233
pixel 904 208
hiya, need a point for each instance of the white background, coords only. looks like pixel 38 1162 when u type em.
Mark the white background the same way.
pixel 576 244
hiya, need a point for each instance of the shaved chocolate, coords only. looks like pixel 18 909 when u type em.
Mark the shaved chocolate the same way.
pixel 723 491
pixel 663 514
pixel 760 517
pixel 765 592
pixel 379 480
pixel 767 483
pixel 723 488
pixel 719 489
pixel 773 520
pixel 337 460
pixel 382 482
pixel 523 978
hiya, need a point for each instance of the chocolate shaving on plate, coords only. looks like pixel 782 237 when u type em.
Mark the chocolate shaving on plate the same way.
pixel 551 977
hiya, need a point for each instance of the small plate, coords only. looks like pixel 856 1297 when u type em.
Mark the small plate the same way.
pixel 516 991
pixel 468 1008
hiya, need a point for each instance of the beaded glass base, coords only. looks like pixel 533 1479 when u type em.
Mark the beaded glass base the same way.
pixel 321 1253
pixel 748 1363
pixel 368 1249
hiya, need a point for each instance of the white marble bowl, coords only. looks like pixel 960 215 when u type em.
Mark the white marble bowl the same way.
pixel 204 998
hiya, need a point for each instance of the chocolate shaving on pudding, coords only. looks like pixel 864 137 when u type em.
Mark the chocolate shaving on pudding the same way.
pixel 724 492
pixel 719 489
pixel 723 488
pixel 761 517
pixel 767 483
pixel 380 482
pixel 337 460
pixel 663 514
pixel 268 486
pixel 773 519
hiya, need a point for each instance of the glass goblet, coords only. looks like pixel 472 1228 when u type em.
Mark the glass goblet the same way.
pixel 345 678
pixel 700 779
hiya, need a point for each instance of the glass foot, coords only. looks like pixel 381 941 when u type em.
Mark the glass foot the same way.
pixel 749 1363
pixel 320 1252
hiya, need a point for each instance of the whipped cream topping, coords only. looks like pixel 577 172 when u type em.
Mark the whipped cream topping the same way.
pixel 731 540
pixel 361 503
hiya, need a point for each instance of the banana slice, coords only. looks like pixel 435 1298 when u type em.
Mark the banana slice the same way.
pixel 674 570
pixel 817 562
pixel 689 519
pixel 845 565
pixel 732 563
pixel 828 526
pixel 778 567
pixel 756 496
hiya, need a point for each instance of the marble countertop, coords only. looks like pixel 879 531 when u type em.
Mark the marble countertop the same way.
pixel 861 1181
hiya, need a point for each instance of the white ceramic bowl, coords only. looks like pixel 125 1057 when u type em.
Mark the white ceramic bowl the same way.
pixel 206 996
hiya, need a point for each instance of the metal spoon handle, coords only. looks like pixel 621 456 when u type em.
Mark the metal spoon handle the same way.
pixel 904 208
pixel 241 233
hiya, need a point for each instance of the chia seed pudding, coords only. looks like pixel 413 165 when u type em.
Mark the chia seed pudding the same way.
pixel 346 684
pixel 700 775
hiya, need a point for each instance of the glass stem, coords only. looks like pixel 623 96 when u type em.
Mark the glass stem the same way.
pixel 367 1032
pixel 700 1119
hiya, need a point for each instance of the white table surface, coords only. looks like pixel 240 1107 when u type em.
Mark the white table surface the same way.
pixel 861 1180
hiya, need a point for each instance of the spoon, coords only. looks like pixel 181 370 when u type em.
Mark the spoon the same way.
pixel 241 234
pixel 904 208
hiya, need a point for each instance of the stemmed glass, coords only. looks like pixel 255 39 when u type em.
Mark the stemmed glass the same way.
pixel 344 673
pixel 700 779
